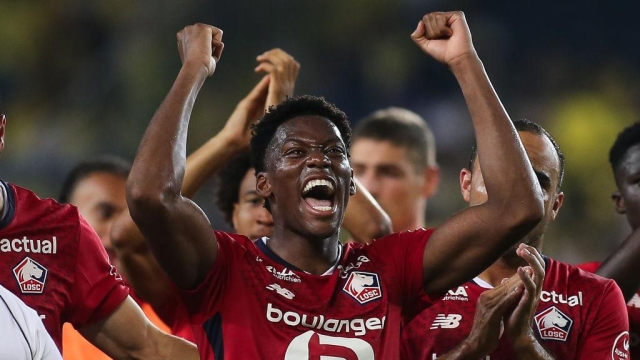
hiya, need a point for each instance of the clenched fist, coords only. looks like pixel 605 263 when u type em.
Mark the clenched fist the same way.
pixel 200 45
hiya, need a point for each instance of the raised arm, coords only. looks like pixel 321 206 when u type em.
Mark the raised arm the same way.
pixel 178 232
pixel 623 265
pixel 365 220
pixel 471 240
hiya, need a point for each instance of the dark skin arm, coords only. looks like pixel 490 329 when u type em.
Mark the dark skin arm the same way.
pixel 623 265
pixel 364 219
pixel 474 238
pixel 177 230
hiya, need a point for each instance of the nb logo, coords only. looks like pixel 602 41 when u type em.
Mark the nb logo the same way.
pixel 443 321
pixel 282 291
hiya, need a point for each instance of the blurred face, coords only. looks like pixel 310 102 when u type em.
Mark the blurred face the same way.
pixel 308 179
pixel 386 171
pixel 250 218
pixel 627 198
pixel 100 198
pixel 546 165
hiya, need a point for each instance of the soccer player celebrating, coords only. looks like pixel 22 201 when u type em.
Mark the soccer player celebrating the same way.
pixel 575 314
pixel 622 265
pixel 300 293
pixel 53 260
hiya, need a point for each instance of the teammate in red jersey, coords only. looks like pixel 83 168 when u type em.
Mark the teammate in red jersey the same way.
pixel 578 316
pixel 53 261
pixel 622 264
pixel 301 294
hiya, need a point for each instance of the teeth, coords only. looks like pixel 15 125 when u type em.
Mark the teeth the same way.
pixel 322 208
pixel 313 183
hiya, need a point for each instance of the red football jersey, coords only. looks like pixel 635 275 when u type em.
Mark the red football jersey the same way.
pixel 53 260
pixel 633 309
pixel 580 316
pixel 254 305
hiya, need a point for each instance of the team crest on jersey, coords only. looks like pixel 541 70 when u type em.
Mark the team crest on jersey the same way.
pixel 31 276
pixel 363 286
pixel 553 324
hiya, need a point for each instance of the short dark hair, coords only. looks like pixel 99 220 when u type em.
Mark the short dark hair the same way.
pixel 628 138
pixel 264 130
pixel 107 163
pixel 532 127
pixel 228 184
pixel 403 128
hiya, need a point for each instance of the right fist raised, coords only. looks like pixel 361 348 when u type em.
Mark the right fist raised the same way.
pixel 444 36
pixel 200 45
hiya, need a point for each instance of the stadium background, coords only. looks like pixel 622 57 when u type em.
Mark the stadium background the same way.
pixel 82 78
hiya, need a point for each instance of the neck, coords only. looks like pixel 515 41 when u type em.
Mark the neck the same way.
pixel 314 256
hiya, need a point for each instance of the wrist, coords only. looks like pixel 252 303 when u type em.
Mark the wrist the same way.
pixel 197 68
pixel 465 62
pixel 470 349
pixel 523 343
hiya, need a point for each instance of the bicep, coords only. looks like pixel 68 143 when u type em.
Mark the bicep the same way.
pixel 181 239
pixel 463 246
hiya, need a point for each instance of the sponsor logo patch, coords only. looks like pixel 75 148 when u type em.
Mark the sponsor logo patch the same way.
pixel 282 291
pixel 553 324
pixel 31 276
pixel 285 274
pixel 363 286
pixel 459 294
pixel 443 321
pixel 620 350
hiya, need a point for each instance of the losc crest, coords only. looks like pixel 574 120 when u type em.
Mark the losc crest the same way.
pixel 553 324
pixel 363 286
pixel 31 276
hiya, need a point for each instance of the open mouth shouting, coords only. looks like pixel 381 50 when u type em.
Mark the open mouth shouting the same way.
pixel 318 194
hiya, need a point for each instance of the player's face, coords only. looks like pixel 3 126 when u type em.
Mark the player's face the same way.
pixel 100 198
pixel 627 198
pixel 308 179
pixel 250 218
pixel 386 171
pixel 546 165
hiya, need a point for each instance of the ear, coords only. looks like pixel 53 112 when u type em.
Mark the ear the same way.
pixel 465 184
pixel 618 202
pixel 352 185
pixel 431 181
pixel 557 204
pixel 3 125
pixel 234 215
pixel 263 187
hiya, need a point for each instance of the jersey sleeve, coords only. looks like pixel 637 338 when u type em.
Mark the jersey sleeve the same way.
pixel 589 266
pixel 98 289
pixel 205 299
pixel 608 336
pixel 405 252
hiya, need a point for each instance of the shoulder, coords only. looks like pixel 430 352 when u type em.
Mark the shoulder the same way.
pixel 574 277
pixel 422 234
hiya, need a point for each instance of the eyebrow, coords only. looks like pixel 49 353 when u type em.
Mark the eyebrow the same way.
pixel 303 141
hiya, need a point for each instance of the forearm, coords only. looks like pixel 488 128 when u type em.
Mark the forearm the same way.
pixel 206 161
pixel 623 266
pixel 364 219
pixel 500 152
pixel 158 168
pixel 528 348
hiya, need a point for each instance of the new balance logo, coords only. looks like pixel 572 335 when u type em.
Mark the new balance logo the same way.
pixel 443 321
pixel 282 291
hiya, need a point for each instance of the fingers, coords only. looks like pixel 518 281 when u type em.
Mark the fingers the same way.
pixel 535 261
pixel 437 25
pixel 419 32
pixel 259 92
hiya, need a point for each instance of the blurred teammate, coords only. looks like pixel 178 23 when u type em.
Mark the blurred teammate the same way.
pixel 301 294
pixel 394 157
pixel 97 188
pixel 622 265
pixel 571 315
pixel 52 259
